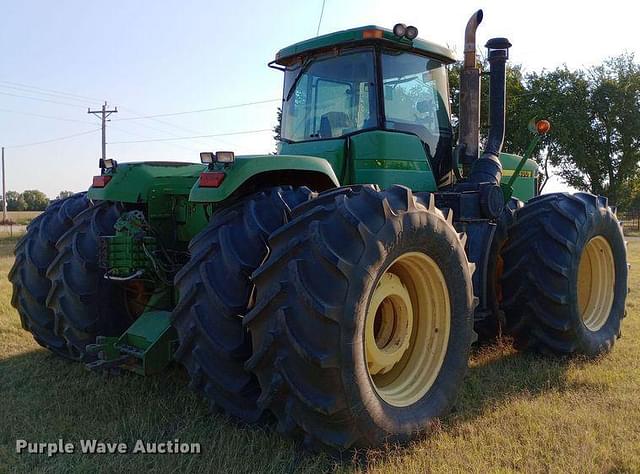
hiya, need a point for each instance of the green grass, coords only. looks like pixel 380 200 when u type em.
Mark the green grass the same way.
pixel 22 217
pixel 517 412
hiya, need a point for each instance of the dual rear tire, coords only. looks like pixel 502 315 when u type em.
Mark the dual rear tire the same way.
pixel 34 253
pixel 214 290
pixel 362 324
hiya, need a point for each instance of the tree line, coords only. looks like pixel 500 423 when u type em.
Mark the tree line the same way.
pixel 594 142
pixel 31 200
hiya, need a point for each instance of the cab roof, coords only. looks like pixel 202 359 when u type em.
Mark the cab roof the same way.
pixel 364 34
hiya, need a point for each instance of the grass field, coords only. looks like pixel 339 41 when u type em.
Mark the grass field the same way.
pixel 22 217
pixel 517 412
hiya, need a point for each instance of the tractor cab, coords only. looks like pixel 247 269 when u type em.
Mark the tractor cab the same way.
pixel 367 80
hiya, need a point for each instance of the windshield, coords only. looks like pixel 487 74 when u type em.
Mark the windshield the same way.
pixel 329 97
pixel 416 99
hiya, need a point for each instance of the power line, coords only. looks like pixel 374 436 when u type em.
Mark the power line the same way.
pixel 51 117
pixel 210 109
pixel 41 99
pixel 54 139
pixel 244 132
pixel 320 20
pixel 69 94
pixel 14 89
pixel 172 125
pixel 176 145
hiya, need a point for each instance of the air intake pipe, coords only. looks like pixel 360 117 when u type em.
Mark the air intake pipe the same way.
pixel 487 169
pixel 470 97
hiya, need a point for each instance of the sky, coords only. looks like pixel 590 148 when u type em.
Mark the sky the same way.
pixel 155 57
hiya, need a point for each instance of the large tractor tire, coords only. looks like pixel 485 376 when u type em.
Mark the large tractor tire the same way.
pixel 214 289
pixel 363 319
pixel 565 275
pixel 84 303
pixel 34 253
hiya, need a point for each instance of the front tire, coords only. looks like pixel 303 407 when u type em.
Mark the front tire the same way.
pixel 363 319
pixel 565 278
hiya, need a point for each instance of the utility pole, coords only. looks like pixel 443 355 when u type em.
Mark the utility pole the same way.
pixel 4 192
pixel 104 113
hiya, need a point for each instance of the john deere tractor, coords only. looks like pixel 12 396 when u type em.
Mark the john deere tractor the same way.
pixel 338 285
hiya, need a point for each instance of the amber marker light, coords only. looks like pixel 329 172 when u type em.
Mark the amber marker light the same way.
pixel 543 126
pixel 370 34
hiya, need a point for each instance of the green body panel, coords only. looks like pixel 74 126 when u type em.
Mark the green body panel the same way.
pixel 246 167
pixel 334 151
pixel 387 158
pixel 134 182
pixel 164 187
pixel 526 185
pixel 356 34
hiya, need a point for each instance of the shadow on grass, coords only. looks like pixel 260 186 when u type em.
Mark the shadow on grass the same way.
pixel 46 398
pixel 497 373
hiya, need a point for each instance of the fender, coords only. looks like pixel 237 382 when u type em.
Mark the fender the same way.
pixel 249 173
pixel 138 182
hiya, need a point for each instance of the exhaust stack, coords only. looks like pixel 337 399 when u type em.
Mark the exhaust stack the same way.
pixel 488 167
pixel 470 96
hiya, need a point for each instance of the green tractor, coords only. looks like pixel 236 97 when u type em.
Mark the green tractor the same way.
pixel 340 284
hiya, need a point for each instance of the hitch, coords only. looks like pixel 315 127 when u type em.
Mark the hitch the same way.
pixel 146 347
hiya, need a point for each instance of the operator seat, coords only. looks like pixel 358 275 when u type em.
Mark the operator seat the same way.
pixel 333 124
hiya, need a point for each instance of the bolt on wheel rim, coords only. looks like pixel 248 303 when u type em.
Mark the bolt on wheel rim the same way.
pixel 407 329
pixel 596 282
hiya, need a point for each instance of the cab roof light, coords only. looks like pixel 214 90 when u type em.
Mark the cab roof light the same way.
pixel 403 31
pixel 411 33
pixel 399 29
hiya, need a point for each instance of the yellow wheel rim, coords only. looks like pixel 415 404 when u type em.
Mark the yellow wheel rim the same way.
pixel 407 329
pixel 596 281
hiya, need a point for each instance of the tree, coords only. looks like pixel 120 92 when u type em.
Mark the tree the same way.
pixel 15 201
pixel 517 116
pixel 65 194
pixel 35 200
pixel 277 130
pixel 595 116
